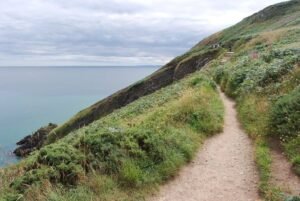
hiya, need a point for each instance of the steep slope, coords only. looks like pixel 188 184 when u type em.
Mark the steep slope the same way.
pixel 171 72
pixel 124 146
pixel 175 70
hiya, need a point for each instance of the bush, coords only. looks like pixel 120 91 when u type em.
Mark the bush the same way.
pixel 107 148
pixel 11 197
pixel 131 175
pixel 267 57
pixel 168 168
pixel 293 198
pixel 150 143
pixel 194 111
pixel 58 163
pixel 285 115
pixel 292 148
pixel 274 72
pixel 235 80
pixel 203 80
pixel 67 162
pixel 34 176
pixel 219 74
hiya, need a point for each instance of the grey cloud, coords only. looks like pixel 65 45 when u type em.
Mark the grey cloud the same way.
pixel 107 6
pixel 101 32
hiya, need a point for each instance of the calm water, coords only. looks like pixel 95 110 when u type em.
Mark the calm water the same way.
pixel 33 97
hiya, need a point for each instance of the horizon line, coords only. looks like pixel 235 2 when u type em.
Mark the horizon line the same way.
pixel 80 66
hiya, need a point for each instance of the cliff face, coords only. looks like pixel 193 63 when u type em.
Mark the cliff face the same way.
pixel 169 73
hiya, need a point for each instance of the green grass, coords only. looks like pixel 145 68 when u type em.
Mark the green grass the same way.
pixel 263 161
pixel 132 150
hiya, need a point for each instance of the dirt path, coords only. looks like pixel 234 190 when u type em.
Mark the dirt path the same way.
pixel 282 174
pixel 224 169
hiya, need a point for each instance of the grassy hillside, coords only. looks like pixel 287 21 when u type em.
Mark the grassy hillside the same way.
pixel 126 154
pixel 126 151
pixel 174 70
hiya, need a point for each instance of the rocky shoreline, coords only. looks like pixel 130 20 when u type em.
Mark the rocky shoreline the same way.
pixel 32 142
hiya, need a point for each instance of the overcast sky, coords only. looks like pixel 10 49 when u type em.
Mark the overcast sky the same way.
pixel 111 32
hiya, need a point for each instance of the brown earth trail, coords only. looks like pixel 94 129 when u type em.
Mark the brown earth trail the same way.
pixel 224 169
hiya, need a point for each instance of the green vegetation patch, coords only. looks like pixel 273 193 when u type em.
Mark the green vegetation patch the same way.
pixel 285 116
pixel 264 80
pixel 134 148
pixel 59 163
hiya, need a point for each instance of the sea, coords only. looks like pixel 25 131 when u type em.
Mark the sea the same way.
pixel 32 97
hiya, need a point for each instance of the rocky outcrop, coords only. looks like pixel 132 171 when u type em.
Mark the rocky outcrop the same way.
pixel 34 141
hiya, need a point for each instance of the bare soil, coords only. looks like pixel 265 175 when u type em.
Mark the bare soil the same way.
pixel 224 169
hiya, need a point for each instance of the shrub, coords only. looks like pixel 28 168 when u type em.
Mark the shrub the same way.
pixel 267 57
pixel 219 74
pixel 58 163
pixel 32 177
pixel 11 197
pixel 131 175
pixel 277 54
pixel 234 81
pixel 285 115
pixel 293 198
pixel 107 148
pixel 100 184
pixel 274 72
pixel 292 148
pixel 150 142
pixel 203 80
pixel 66 161
pixel 193 110
pixel 280 54
pixel 170 166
